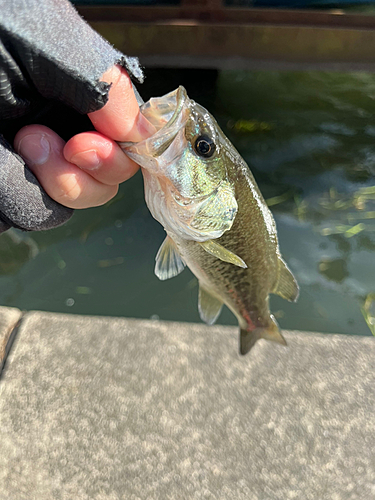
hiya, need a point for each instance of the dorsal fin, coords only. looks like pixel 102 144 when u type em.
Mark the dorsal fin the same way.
pixel 222 253
pixel 287 286
pixel 209 306
pixel 168 260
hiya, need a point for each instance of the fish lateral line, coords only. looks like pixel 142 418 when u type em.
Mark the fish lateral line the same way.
pixel 196 186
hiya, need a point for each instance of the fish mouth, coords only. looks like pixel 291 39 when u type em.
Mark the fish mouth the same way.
pixel 168 114
pixel 163 112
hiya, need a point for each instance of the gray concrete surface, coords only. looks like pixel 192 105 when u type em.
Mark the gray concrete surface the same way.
pixel 9 317
pixel 107 409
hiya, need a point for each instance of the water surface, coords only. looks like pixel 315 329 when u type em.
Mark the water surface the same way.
pixel 309 140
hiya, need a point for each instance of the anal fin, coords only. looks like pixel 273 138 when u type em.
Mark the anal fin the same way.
pixel 287 286
pixel 209 306
pixel 271 332
pixel 168 261
pixel 222 253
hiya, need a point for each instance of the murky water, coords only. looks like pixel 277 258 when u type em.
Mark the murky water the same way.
pixel 309 139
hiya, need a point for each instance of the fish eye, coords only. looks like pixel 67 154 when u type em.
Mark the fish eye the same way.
pixel 204 146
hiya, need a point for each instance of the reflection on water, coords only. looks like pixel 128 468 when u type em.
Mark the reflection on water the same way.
pixel 16 248
pixel 309 139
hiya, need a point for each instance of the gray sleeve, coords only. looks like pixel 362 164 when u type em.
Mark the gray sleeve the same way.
pixel 48 50
pixel 48 54
pixel 23 202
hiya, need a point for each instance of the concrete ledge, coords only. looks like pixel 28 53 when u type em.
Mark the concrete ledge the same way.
pixel 9 317
pixel 96 408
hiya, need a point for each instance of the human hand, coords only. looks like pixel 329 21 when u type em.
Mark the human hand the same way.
pixel 87 170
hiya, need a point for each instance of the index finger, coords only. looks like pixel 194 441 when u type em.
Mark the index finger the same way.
pixel 120 119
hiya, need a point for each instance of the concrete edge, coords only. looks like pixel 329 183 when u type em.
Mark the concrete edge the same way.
pixel 10 320
pixel 26 315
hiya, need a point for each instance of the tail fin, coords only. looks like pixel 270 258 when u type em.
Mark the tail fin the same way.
pixel 271 332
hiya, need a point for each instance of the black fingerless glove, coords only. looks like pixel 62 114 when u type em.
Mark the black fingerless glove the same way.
pixel 50 65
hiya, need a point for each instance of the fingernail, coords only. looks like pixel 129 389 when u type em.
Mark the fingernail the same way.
pixel 145 128
pixel 34 148
pixel 88 160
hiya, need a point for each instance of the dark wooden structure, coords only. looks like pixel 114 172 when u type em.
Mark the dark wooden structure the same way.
pixel 205 33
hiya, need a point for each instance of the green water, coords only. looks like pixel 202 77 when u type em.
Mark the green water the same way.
pixel 309 139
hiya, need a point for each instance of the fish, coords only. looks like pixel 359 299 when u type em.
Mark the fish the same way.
pixel 199 188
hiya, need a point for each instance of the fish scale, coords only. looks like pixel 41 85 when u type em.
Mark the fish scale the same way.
pixel 240 289
pixel 224 231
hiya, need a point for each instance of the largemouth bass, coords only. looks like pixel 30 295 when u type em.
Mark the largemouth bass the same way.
pixel 217 222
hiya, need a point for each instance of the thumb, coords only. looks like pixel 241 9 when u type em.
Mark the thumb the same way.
pixel 120 119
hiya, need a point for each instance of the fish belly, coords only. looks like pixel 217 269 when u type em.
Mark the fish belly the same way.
pixel 244 291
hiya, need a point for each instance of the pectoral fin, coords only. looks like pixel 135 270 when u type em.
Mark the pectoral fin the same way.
pixel 218 251
pixel 168 260
pixel 209 306
pixel 287 286
pixel 248 338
